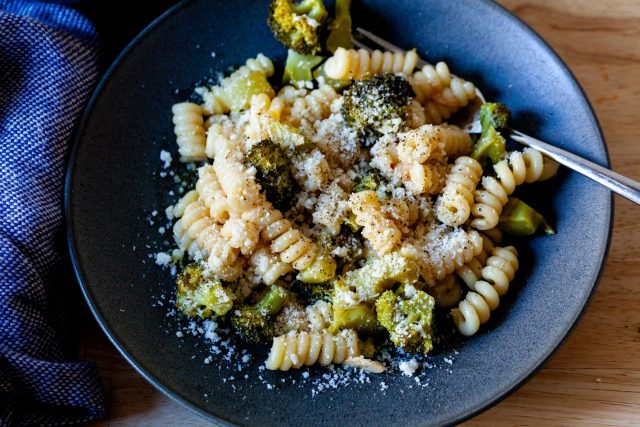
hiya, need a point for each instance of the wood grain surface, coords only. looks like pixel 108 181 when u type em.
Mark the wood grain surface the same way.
pixel 594 379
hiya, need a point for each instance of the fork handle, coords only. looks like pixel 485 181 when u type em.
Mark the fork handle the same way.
pixel 620 184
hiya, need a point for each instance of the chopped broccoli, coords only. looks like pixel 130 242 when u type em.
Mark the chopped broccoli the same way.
pixel 321 270
pixel 299 67
pixel 361 317
pixel 201 296
pixel 348 242
pixel 380 274
pixel 520 219
pixel 370 181
pixel 241 86
pixel 340 27
pixel 296 24
pixel 253 322
pixel 496 115
pixel 376 104
pixel 408 320
pixel 273 168
pixel 310 293
pixel 494 119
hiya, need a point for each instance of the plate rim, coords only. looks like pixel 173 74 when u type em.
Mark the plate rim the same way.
pixel 221 420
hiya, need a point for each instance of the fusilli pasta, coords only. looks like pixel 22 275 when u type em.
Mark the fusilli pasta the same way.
pixel 486 289
pixel 211 194
pixel 301 348
pixel 382 232
pixel 290 243
pixel 454 204
pixel 268 265
pixel 519 167
pixel 189 130
pixel 351 64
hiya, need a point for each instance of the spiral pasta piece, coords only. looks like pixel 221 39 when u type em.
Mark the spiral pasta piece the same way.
pixel 453 206
pixel 240 186
pixel 222 136
pixel 439 251
pixel 198 234
pixel 436 113
pixel 430 80
pixel 296 349
pixel 268 265
pixel 519 167
pixel 292 246
pixel 213 102
pixel 351 64
pixel 314 106
pixel 457 95
pixel 415 115
pixel 211 194
pixel 189 130
pixel 486 290
pixel 382 232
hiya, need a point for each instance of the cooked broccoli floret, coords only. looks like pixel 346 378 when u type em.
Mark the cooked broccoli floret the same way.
pixel 408 318
pixel 273 168
pixel 377 104
pixel 340 27
pixel 348 244
pixel 299 67
pixel 380 274
pixel 496 115
pixel 309 293
pixel 296 24
pixel 254 322
pixel 201 296
pixel 494 119
pixel 519 219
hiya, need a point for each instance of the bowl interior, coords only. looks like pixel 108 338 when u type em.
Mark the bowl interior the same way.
pixel 114 186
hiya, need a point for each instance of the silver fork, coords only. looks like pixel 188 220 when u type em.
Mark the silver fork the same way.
pixel 620 184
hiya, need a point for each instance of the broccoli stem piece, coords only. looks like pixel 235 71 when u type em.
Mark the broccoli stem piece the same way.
pixel 361 317
pixel 254 323
pixel 298 66
pixel 377 276
pixel 240 88
pixel 321 270
pixel 520 219
pixel 340 28
pixel 272 302
pixel 494 119
pixel 491 144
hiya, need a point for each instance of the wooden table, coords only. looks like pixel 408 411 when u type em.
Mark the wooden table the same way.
pixel 595 377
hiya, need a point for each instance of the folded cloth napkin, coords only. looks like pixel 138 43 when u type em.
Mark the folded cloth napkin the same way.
pixel 48 68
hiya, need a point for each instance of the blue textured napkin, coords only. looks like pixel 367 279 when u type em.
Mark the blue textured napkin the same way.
pixel 48 68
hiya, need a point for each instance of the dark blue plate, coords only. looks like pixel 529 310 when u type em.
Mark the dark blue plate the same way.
pixel 113 186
